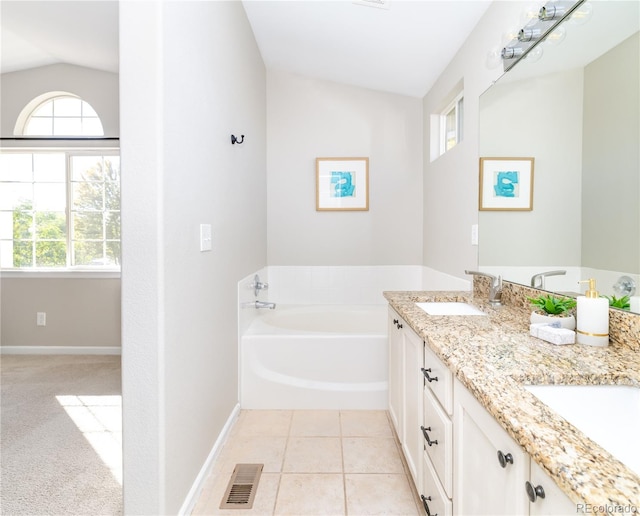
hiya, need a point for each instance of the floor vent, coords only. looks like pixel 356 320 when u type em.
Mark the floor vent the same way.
pixel 242 487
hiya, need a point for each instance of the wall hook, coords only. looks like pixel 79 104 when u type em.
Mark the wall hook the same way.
pixel 237 140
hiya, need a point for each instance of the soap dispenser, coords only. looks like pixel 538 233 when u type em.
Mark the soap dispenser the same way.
pixel 592 317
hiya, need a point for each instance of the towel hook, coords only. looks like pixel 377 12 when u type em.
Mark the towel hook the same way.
pixel 237 140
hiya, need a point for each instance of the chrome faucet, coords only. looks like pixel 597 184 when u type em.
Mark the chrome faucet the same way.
pixel 258 285
pixel 537 280
pixel 495 292
pixel 264 304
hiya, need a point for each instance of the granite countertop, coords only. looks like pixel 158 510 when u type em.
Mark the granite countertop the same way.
pixel 494 357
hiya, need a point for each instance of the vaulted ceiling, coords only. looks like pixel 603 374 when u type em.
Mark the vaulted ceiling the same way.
pixel 399 46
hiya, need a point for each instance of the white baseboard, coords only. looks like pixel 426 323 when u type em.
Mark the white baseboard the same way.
pixel 192 497
pixel 60 350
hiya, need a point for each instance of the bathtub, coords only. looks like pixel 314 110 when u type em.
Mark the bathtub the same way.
pixel 315 357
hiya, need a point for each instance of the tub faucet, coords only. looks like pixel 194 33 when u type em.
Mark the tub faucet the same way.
pixel 258 285
pixel 537 280
pixel 495 292
pixel 264 304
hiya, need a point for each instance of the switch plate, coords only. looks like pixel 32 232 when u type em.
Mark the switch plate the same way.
pixel 41 318
pixel 205 237
pixel 474 234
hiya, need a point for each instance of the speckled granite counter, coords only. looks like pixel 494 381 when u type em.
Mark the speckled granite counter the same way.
pixel 494 357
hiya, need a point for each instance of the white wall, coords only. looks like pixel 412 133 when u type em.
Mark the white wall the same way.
pixel 191 75
pixel 98 88
pixel 309 118
pixel 451 181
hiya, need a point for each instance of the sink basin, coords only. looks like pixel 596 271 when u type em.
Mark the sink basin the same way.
pixel 608 414
pixel 449 308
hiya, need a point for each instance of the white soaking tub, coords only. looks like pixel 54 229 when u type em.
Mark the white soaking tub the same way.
pixel 315 357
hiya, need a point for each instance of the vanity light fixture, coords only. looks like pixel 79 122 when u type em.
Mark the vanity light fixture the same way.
pixel 549 17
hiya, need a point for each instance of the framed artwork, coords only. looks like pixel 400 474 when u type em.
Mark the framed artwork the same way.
pixel 342 184
pixel 506 184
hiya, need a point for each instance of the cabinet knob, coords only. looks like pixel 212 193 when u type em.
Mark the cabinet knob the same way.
pixel 504 459
pixel 426 499
pixel 426 435
pixel 426 372
pixel 534 492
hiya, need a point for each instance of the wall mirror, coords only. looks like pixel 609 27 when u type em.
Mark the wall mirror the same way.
pixel 575 110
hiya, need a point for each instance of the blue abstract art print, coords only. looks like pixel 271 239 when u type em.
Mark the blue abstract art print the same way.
pixel 506 184
pixel 342 184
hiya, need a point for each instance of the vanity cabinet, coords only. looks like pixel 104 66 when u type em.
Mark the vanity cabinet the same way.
pixel 493 474
pixel 490 469
pixel 405 390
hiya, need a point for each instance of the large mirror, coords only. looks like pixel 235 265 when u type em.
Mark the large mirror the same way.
pixel 575 111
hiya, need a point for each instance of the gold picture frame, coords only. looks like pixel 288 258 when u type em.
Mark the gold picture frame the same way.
pixel 342 184
pixel 506 184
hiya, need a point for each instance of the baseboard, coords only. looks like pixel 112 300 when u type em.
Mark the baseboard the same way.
pixel 192 497
pixel 60 350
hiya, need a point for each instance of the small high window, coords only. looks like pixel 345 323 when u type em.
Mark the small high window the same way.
pixel 451 125
pixel 63 115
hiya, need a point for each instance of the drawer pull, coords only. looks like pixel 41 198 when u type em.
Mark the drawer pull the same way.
pixel 395 321
pixel 426 499
pixel 398 325
pixel 426 435
pixel 534 492
pixel 426 372
pixel 504 459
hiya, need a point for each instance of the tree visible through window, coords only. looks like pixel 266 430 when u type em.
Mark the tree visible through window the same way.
pixel 59 208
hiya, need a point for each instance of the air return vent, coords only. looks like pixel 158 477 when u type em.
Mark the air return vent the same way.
pixel 380 4
pixel 242 487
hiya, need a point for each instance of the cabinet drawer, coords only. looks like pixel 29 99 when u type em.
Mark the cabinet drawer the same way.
pixel 439 432
pixel 439 379
pixel 434 496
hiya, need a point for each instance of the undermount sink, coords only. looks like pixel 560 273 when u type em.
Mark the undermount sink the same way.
pixel 449 308
pixel 608 414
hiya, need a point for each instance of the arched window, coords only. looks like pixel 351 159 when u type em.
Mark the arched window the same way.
pixel 59 114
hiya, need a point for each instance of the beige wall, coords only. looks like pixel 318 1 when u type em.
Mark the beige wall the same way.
pixel 191 75
pixel 309 118
pixel 79 313
pixel 611 215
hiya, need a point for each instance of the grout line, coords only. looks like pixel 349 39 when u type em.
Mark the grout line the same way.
pixel 344 476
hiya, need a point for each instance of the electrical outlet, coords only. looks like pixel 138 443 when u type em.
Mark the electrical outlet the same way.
pixel 41 318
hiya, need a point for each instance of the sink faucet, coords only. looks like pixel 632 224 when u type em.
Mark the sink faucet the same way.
pixel 495 292
pixel 537 280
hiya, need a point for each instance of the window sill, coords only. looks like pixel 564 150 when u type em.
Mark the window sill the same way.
pixel 61 274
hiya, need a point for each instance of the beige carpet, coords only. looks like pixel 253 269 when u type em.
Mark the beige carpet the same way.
pixel 60 435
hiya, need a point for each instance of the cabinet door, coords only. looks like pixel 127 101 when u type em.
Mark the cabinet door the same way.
pixel 413 387
pixel 481 484
pixel 395 325
pixel 555 502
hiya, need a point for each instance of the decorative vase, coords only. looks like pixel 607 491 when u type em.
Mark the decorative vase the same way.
pixel 567 321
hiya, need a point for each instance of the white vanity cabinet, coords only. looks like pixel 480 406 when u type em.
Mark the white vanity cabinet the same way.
pixel 437 429
pixel 493 474
pixel 555 502
pixel 405 390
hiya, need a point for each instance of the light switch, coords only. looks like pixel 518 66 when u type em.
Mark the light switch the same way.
pixel 474 234
pixel 205 237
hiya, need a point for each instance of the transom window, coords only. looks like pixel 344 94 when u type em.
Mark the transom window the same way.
pixel 63 115
pixel 59 209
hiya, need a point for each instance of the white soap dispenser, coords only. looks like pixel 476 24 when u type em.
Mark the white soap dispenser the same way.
pixel 592 317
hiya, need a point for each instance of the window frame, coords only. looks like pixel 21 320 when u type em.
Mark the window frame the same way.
pixel 86 270
pixel 457 107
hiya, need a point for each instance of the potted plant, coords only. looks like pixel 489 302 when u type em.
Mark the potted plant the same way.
pixel 623 302
pixel 550 309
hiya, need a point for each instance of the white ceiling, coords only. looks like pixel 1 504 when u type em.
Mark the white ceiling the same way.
pixel 402 49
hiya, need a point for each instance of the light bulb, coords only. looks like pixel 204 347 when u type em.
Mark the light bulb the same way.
pixel 493 59
pixel 534 54
pixel 556 36
pixel 582 14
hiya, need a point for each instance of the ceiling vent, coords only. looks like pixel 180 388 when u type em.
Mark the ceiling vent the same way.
pixel 380 4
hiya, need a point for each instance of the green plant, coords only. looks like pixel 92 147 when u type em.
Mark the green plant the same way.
pixel 619 302
pixel 552 305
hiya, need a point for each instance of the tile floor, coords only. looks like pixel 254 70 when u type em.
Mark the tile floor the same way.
pixel 327 462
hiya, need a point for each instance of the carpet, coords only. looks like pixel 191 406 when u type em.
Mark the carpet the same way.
pixel 60 435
